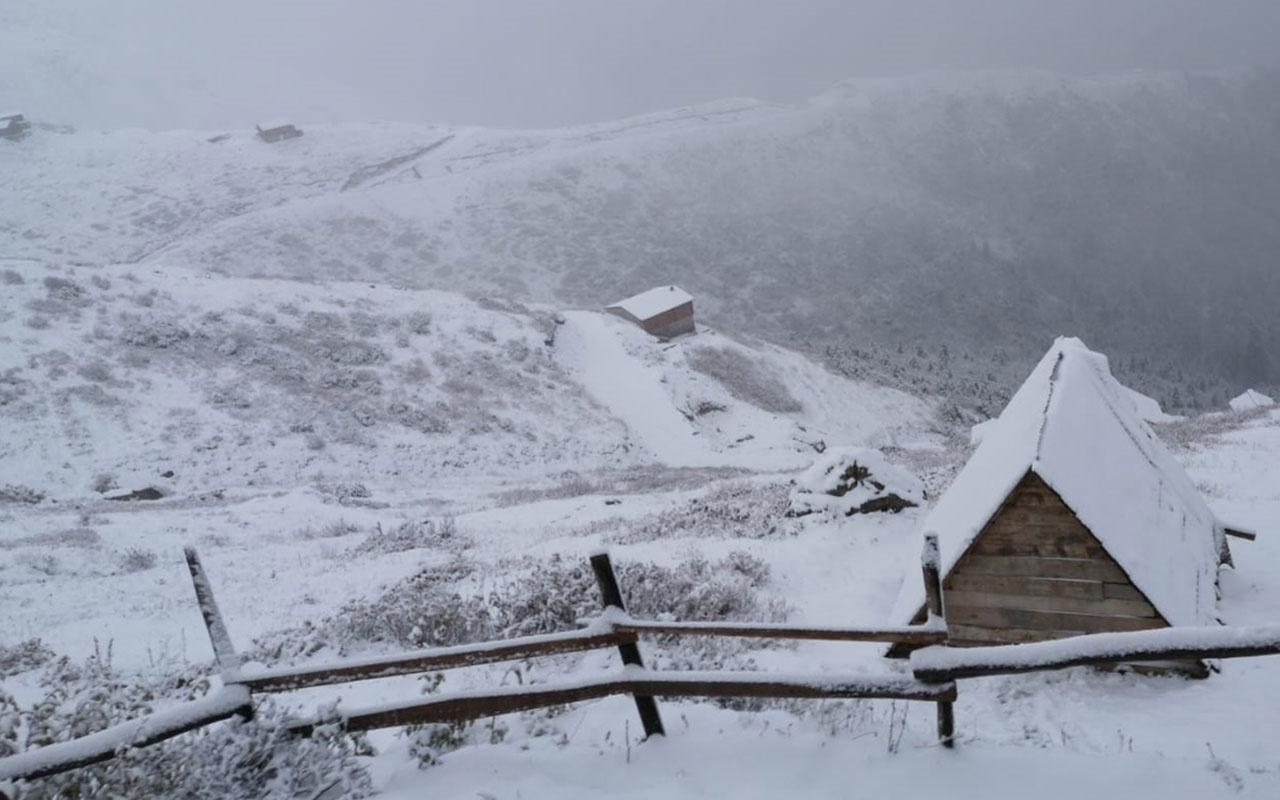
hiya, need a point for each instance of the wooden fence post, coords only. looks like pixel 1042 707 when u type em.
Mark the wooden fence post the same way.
pixel 930 563
pixel 224 653
pixel 611 595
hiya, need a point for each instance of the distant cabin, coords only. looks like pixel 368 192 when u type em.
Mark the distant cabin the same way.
pixel 665 312
pixel 1250 400
pixel 13 126
pixel 278 131
pixel 1072 518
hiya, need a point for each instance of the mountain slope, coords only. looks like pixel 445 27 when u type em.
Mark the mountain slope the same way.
pixel 987 212
pixel 231 384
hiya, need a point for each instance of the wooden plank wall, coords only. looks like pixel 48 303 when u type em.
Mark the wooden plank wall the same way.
pixel 1036 573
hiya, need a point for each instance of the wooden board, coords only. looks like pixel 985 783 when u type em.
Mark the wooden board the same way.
pixel 1048 542
pixel 1036 587
pixel 1076 605
pixel 1033 567
pixel 974 635
pixel 471 706
pixel 1047 620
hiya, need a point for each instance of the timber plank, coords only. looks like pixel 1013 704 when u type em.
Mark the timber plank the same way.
pixel 968 635
pixel 1037 587
pixel 1074 605
pixel 1047 546
pixel 1034 567
pixel 1048 620
pixel 1122 591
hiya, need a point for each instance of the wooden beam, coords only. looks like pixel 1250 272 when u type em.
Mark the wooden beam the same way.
pixel 1241 534
pixel 288 679
pixel 1167 644
pixel 935 602
pixel 224 653
pixel 1049 620
pixel 1060 605
pixel 611 597
pixel 104 745
pixel 915 635
pixel 478 705
pixel 1036 567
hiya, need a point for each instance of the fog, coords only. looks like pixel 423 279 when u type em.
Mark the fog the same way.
pixel 515 63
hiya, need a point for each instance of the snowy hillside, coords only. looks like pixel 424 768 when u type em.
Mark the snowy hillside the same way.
pixel 1111 208
pixel 231 384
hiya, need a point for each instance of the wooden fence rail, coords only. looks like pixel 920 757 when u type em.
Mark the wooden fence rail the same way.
pixel 475 705
pixel 1167 644
pixel 104 745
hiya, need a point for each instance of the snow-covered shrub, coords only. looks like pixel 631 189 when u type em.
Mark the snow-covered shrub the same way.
pixel 854 480
pixel 12 278
pixel 429 610
pixel 233 760
pixel 736 510
pixel 137 560
pixel 156 334
pixel 63 289
pixel 744 378
pixel 104 482
pixel 429 742
pixel 23 657
pixel 411 535
pixel 347 494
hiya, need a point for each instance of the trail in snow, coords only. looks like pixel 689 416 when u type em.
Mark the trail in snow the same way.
pixel 589 347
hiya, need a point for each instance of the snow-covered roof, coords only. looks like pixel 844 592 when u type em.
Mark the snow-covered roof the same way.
pixel 1075 426
pixel 271 125
pixel 10 115
pixel 1250 400
pixel 1148 408
pixel 653 302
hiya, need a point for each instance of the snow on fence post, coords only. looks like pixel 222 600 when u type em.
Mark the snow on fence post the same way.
pixel 611 595
pixel 930 564
pixel 224 653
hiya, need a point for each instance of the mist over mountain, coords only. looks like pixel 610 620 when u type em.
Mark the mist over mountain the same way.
pixel 938 219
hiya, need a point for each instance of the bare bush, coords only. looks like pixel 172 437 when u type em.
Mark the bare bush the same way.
pixel 97 371
pixel 10 493
pixel 736 510
pixel 23 657
pixel 411 535
pixel 156 334
pixel 428 610
pixel 104 482
pixel 137 560
pixel 744 378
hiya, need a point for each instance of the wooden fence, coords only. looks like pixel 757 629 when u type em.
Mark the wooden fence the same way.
pixel 935 668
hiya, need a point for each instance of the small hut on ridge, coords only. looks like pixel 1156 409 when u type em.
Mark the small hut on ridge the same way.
pixel 665 312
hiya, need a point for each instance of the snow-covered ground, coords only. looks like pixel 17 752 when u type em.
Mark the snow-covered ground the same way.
pixel 297 428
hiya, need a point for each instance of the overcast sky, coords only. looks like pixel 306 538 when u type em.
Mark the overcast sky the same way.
pixel 538 63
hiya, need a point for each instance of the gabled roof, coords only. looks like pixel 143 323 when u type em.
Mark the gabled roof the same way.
pixel 653 302
pixel 1250 400
pixel 1073 425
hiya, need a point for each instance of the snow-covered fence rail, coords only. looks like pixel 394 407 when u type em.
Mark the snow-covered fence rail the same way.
pixel 1167 644
pixel 635 681
pixel 430 660
pixel 98 747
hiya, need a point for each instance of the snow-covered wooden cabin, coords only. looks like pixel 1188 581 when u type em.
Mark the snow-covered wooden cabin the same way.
pixel 278 131
pixel 13 126
pixel 1071 518
pixel 1250 400
pixel 666 311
